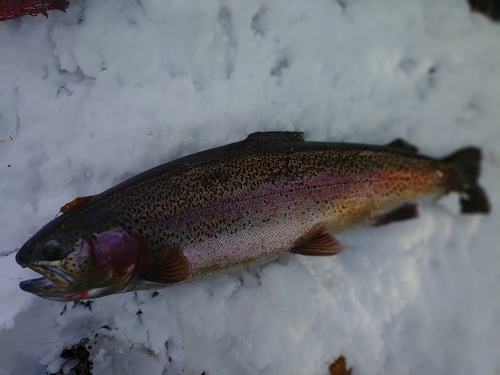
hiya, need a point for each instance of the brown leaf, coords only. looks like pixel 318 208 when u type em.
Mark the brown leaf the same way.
pixel 338 367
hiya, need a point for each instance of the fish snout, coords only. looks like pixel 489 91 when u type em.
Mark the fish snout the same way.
pixel 22 257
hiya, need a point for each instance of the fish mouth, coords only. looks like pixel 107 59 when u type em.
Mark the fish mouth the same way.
pixel 54 280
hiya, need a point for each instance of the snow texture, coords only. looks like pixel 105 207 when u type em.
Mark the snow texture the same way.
pixel 114 87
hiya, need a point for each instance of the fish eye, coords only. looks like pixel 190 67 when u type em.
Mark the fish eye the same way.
pixel 52 250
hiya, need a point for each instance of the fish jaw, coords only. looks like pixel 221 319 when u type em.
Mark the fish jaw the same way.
pixel 53 282
pixel 46 288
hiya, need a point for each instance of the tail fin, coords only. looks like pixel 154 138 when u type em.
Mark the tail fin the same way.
pixel 467 163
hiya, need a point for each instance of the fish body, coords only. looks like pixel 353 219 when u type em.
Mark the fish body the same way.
pixel 235 205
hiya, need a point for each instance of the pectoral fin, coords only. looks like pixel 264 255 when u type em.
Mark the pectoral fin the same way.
pixel 405 212
pixel 173 268
pixel 321 245
pixel 74 203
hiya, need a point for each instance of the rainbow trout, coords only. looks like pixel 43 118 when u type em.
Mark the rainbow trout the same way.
pixel 232 206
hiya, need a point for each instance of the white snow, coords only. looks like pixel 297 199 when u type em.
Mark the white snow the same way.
pixel 111 88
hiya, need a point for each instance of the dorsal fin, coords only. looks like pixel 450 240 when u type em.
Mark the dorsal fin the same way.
pixel 173 268
pixel 74 203
pixel 401 144
pixel 276 136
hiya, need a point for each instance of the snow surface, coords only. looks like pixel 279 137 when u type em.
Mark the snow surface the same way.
pixel 113 87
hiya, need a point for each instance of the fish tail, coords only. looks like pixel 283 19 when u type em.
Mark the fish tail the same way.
pixel 467 164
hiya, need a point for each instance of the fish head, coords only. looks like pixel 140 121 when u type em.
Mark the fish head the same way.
pixel 80 256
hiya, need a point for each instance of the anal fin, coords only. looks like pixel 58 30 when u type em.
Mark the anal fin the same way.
pixel 173 268
pixel 405 212
pixel 321 245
